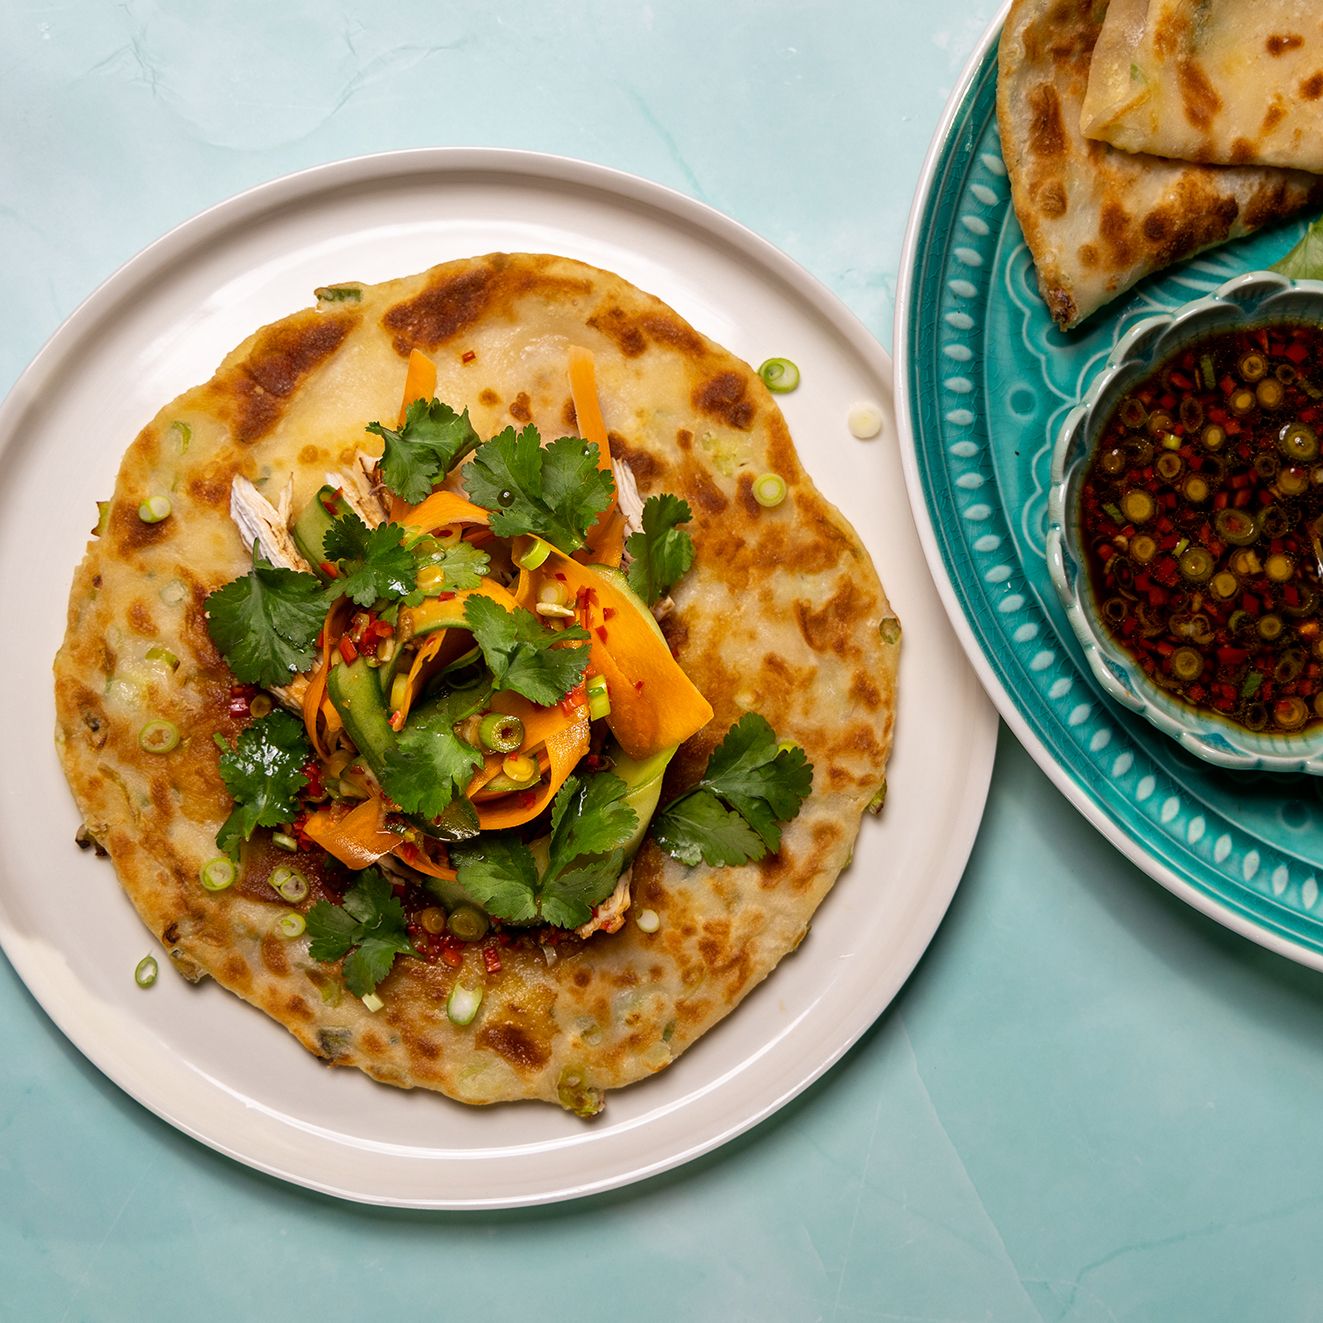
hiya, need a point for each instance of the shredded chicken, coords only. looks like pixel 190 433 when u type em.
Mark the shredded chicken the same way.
pixel 609 916
pixel 363 496
pixel 627 494
pixel 266 524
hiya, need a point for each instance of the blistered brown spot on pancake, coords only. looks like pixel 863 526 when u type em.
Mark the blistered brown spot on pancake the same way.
pixel 624 332
pixel 1279 43
pixel 515 1044
pixel 642 464
pixel 488 397
pixel 1198 96
pixel 1050 196
pixel 1312 87
pixel 310 454
pixel 519 409
pixel 275 955
pixel 255 392
pixel 141 620
pixel 127 533
pixel 726 397
pixel 1047 134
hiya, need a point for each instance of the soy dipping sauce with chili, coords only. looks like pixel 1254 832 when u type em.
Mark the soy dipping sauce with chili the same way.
pixel 1201 518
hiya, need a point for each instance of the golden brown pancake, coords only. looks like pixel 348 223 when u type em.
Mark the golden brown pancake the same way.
pixel 782 614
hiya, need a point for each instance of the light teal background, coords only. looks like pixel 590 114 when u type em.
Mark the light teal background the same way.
pixel 1089 1102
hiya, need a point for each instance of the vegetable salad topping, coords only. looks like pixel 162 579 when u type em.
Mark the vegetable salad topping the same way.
pixel 487 704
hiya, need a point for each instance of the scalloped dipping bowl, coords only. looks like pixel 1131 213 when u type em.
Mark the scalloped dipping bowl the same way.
pixel 1254 299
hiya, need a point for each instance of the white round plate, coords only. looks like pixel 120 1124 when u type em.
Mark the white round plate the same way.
pixel 199 1057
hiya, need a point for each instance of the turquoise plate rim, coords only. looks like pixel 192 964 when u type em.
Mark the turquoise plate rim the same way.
pixel 937 481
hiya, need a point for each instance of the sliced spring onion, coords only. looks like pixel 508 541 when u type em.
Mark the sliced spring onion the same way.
pixel 157 653
pixel 154 509
pixel 468 923
pixel 500 732
pixel 260 705
pixel 519 767
pixel 338 294
pixel 373 1002
pixel 291 925
pixel 433 919
pixel 159 736
pixel 769 489
pixel 289 884
pixel 554 611
pixel 102 517
pixel 648 921
pixel 463 1004
pixel 284 840
pixel 779 375
pixel 145 973
pixel 183 434
pixel 599 699
pixel 218 873
pixel 864 420
pixel 174 592
pixel 533 555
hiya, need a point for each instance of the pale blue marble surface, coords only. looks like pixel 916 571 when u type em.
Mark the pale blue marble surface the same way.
pixel 1089 1103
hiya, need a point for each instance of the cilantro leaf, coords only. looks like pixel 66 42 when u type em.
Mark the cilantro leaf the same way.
pixel 374 562
pixel 661 552
pixel 264 622
pixel 429 763
pixel 567 900
pixel 522 653
pixel 555 492
pixel 463 566
pixel 589 817
pixel 433 439
pixel 498 870
pixel 369 931
pixel 264 774
pixel 765 784
pixel 1305 260
pixel 734 813
pixel 697 827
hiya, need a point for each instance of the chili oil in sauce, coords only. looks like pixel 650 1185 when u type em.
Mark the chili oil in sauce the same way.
pixel 1201 516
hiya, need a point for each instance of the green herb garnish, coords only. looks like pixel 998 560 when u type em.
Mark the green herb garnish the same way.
pixel 373 562
pixel 591 822
pixel 734 814
pixel 1305 260
pixel 661 552
pixel 264 774
pixel 555 492
pixel 433 439
pixel 368 931
pixel 265 622
pixel 523 654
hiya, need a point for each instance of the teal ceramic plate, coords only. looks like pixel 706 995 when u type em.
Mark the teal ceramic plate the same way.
pixel 984 381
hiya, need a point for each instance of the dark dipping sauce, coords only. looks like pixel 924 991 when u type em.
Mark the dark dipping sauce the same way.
pixel 1200 519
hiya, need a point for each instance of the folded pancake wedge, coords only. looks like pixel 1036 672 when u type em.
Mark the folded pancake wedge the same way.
pixel 1218 81
pixel 1096 219
pixel 782 614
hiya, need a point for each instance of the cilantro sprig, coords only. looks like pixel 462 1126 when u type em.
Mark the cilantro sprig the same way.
pixel 1305 260
pixel 591 824
pixel 462 566
pixel 523 654
pixel 433 439
pixel 555 492
pixel 264 774
pixel 373 562
pixel 661 552
pixel 265 622
pixel 734 814
pixel 368 932
pixel 429 764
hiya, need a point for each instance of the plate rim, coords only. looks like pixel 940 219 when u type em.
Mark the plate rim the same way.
pixel 1002 699
pixel 505 164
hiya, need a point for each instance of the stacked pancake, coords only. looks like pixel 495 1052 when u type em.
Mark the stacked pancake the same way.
pixel 1141 132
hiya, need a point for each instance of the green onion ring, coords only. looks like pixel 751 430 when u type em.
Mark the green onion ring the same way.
pixel 291 925
pixel 779 375
pixel 218 873
pixel 769 489
pixel 289 884
pixel 463 1004
pixel 154 509
pixel 500 732
pixel 145 973
pixel 159 736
